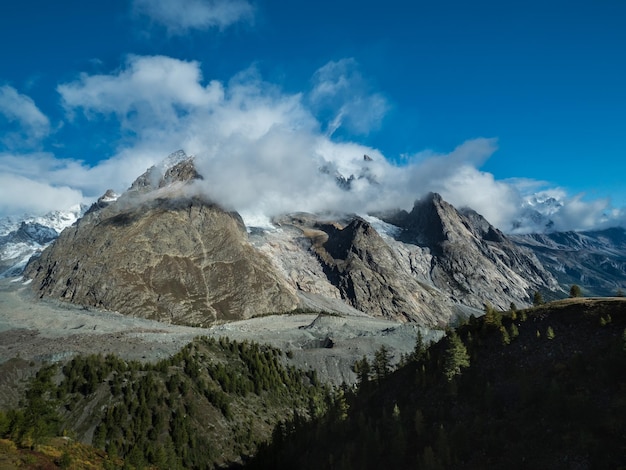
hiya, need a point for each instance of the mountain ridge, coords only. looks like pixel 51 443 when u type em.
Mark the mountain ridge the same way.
pixel 164 251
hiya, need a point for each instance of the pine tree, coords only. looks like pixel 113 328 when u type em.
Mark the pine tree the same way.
pixel 382 363
pixel 492 316
pixel 575 291
pixel 455 356
pixel 362 369
pixel 419 350
pixel 537 299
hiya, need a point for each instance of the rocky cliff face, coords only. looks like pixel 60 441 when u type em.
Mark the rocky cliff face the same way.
pixel 595 260
pixel 157 253
pixel 471 260
pixel 345 258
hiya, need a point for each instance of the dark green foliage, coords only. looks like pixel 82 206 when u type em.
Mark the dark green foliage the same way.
pixel 538 299
pixel 529 404
pixel 210 404
pixel 382 363
pixel 455 356
pixel 419 350
pixel 362 369
pixel 492 316
pixel 37 417
pixel 575 291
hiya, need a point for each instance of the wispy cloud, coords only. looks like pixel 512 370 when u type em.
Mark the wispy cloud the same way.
pixel 341 91
pixel 179 16
pixel 29 124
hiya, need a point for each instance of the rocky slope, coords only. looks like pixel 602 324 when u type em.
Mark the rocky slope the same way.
pixel 163 251
pixel 595 260
pixel 21 238
pixel 469 259
pixel 156 253
pixel 344 259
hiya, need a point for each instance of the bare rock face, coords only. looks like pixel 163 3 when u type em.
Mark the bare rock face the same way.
pixel 160 251
pixel 594 260
pixel 348 259
pixel 471 260
pixel 163 256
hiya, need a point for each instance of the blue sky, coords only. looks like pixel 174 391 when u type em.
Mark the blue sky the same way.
pixel 486 102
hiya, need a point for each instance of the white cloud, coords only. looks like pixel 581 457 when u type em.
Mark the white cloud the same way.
pixel 260 150
pixel 340 89
pixel 577 214
pixel 20 195
pixel 37 182
pixel 179 16
pixel 150 91
pixel 31 124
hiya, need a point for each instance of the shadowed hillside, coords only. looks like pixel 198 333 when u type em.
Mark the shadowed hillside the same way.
pixel 535 388
pixel 540 388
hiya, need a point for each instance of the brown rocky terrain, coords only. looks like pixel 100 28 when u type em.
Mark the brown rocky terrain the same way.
pixel 162 255
pixel 163 251
pixel 471 260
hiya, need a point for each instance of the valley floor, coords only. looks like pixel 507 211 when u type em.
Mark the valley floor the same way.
pixel 36 331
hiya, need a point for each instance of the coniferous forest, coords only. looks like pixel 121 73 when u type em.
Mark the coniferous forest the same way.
pixel 537 388
pixel 542 388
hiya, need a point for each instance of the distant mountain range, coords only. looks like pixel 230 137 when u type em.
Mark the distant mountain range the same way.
pixel 163 250
pixel 23 237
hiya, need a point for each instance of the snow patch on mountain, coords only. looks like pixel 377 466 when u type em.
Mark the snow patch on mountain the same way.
pixel 537 213
pixel 385 229
pixel 257 221
pixel 23 237
pixel 172 160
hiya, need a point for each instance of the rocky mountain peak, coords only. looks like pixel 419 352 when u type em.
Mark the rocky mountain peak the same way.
pixel 475 260
pixel 164 254
pixel 178 166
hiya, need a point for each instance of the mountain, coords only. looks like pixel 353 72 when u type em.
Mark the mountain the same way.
pixel 158 253
pixel 339 260
pixel 594 260
pixel 536 214
pixel 21 238
pixel 164 251
pixel 469 258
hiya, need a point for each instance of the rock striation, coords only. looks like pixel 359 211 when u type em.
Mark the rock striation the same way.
pixel 470 259
pixel 156 252
pixel 163 251
pixel 349 260
pixel 594 260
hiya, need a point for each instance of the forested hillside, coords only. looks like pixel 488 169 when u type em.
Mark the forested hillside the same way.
pixel 537 388
pixel 211 404
pixel 542 388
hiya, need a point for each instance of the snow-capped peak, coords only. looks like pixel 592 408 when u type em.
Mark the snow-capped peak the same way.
pixel 543 203
pixel 22 237
pixel 57 220
pixel 172 160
